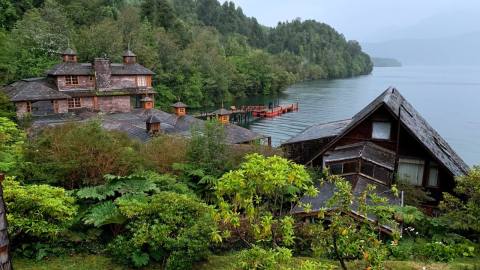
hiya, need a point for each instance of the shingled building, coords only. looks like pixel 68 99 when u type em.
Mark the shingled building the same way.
pixel 386 142
pixel 97 86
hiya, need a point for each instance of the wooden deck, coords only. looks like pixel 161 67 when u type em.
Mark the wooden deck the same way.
pixel 246 114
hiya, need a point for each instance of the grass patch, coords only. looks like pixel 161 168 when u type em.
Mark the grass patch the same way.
pixel 216 262
pixel 77 262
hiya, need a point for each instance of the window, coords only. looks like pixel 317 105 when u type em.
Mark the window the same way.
pixel 336 168
pixel 142 81
pixel 136 101
pixel 71 57
pixel 29 106
pixel 377 172
pixel 381 130
pixel 90 78
pixel 433 175
pixel 367 168
pixel 71 80
pixel 411 171
pixel 344 168
pixel 74 103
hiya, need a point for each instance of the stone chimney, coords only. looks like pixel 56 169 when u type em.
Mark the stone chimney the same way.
pixel 69 55
pixel 103 73
pixel 153 125
pixel 147 103
pixel 180 108
pixel 129 57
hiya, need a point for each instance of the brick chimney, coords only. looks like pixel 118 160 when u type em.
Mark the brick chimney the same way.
pixel 129 57
pixel 103 73
pixel 69 55
pixel 180 108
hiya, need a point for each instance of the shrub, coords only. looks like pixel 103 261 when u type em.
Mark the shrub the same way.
pixel 344 237
pixel 7 109
pixel 11 143
pixel 161 152
pixel 461 210
pixel 166 227
pixel 75 155
pixel 37 213
pixel 259 195
pixel 428 250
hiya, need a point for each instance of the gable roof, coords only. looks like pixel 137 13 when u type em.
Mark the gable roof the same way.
pixel 33 89
pixel 417 126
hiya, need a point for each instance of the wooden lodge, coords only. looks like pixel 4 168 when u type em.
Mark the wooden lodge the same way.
pixel 386 142
pixel 97 86
pixel 122 92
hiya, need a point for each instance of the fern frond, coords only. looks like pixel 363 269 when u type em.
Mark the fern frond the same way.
pixel 104 214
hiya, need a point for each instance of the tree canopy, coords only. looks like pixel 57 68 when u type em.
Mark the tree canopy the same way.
pixel 202 52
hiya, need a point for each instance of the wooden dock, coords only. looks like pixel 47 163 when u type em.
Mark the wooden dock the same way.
pixel 246 114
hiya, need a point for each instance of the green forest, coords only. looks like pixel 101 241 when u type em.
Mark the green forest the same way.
pixel 79 196
pixel 203 52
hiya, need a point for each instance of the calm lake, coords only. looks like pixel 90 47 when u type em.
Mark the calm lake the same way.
pixel 447 97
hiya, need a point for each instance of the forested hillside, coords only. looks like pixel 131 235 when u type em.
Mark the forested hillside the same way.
pixel 202 51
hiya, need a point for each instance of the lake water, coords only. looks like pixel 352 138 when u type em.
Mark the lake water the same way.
pixel 447 97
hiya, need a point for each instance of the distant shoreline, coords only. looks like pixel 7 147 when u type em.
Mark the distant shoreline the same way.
pixel 385 62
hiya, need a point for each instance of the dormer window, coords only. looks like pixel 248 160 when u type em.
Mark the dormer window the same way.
pixel 381 130
pixel 142 81
pixel 71 80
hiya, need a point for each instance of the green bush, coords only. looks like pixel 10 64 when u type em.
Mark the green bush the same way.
pixel 37 215
pixel 428 250
pixel 76 155
pixel 167 227
pixel 11 145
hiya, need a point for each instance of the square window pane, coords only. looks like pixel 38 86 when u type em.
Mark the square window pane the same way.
pixel 382 174
pixel 411 171
pixel 350 167
pixel 336 168
pixel 381 130
pixel 367 168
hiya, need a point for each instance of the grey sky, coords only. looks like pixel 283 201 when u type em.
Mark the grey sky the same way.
pixel 370 20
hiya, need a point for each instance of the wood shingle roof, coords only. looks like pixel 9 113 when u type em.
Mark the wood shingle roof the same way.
pixel 414 123
pixel 33 89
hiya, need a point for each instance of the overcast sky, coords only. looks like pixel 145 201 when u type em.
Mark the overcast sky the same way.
pixel 368 20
